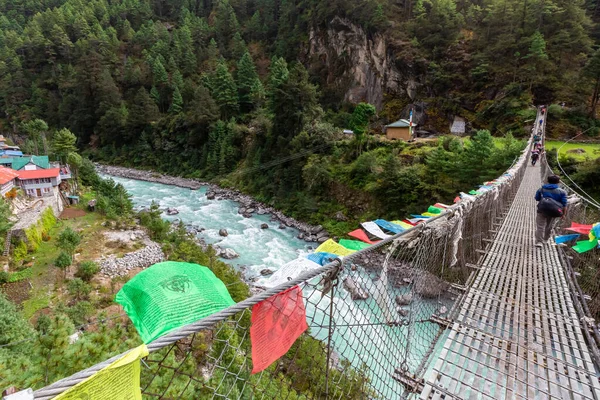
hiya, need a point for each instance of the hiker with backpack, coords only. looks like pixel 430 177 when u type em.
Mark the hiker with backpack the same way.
pixel 535 155
pixel 552 201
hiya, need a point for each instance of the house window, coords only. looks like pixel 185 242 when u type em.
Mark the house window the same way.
pixel 46 190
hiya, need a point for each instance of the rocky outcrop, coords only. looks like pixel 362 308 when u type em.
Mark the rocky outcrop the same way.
pixel 369 69
pixel 356 292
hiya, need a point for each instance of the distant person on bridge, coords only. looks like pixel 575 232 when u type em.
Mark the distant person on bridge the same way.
pixel 552 201
pixel 535 155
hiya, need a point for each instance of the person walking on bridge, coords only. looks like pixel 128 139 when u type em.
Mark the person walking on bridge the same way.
pixel 535 155
pixel 552 201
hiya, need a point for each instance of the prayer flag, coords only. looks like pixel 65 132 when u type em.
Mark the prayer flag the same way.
pixel 322 258
pixel 361 235
pixel 354 244
pixel 118 381
pixel 419 216
pixel 580 228
pixel 330 246
pixel 595 231
pixel 409 222
pixel 403 224
pixel 389 226
pixel 434 210
pixel 428 214
pixel 474 192
pixel 457 199
pixel 292 270
pixel 585 245
pixel 566 238
pixel 441 205
pixel 276 324
pixel 171 294
pixel 374 230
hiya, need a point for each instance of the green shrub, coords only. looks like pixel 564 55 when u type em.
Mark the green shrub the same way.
pixel 68 240
pixel 78 289
pixel 87 270
pixel 20 251
pixel 63 260
pixel 4 277
pixel 80 311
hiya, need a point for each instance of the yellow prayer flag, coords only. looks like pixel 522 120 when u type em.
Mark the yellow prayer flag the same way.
pixel 403 224
pixel 428 214
pixel 118 381
pixel 330 246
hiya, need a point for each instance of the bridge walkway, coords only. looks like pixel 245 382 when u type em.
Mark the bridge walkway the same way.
pixel 517 334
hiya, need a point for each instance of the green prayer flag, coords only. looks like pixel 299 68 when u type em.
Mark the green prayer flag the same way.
pixel 354 244
pixel 474 192
pixel 585 245
pixel 434 210
pixel 171 294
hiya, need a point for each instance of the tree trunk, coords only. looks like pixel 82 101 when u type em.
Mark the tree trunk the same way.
pixel 595 98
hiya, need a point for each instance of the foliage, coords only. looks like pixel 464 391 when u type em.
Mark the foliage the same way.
pixel 4 277
pixel 63 260
pixel 35 233
pixel 20 251
pixel 87 270
pixel 78 289
pixel 13 327
pixel 63 143
pixel 68 240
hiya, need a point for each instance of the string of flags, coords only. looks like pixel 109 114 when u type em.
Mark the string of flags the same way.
pixel 170 295
pixel 592 231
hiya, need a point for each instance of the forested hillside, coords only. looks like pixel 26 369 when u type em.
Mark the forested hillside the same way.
pixel 263 88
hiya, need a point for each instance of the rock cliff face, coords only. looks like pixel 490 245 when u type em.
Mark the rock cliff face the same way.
pixel 359 61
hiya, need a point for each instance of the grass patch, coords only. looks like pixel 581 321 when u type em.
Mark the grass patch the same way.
pixel 592 150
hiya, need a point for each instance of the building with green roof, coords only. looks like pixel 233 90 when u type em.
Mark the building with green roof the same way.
pixel 31 162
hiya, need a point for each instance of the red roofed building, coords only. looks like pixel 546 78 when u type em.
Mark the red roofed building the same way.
pixel 40 182
pixel 7 180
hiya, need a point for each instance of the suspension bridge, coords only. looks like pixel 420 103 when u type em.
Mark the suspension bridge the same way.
pixel 463 306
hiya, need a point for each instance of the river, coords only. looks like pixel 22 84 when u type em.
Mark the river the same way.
pixel 374 346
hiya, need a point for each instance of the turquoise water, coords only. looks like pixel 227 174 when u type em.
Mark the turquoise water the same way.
pixel 358 337
pixel 258 248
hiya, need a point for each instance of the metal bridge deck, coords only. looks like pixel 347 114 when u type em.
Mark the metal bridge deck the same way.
pixel 517 335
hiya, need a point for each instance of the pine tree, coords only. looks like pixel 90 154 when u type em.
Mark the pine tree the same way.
pixel 177 103
pixel 159 73
pixel 224 91
pixel 248 84
pixel 63 143
pixel 278 75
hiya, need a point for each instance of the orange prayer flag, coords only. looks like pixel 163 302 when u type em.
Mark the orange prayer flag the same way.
pixel 276 324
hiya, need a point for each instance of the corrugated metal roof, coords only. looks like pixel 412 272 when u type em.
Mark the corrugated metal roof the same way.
pixel 39 173
pixel 7 175
pixel 401 123
pixel 40 161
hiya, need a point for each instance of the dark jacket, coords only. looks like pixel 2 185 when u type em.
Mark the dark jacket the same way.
pixel 553 191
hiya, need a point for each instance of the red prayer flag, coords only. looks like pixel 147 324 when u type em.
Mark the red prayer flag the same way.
pixel 409 222
pixel 361 235
pixel 276 324
pixel 580 228
pixel 457 199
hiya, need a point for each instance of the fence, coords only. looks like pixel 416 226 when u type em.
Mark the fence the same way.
pixel 375 318
pixel 581 268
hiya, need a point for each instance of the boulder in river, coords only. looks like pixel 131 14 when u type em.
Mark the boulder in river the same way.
pixel 356 292
pixel 172 211
pixel 322 239
pixel 402 311
pixel 300 236
pixel 404 299
pixel 281 226
pixel 264 226
pixel 266 272
pixel 223 232
pixel 210 195
pixel 229 254
pixel 316 229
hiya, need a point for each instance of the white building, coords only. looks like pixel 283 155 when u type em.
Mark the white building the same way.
pixel 7 180
pixel 41 182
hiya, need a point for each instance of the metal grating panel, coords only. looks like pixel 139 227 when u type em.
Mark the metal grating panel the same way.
pixel 517 335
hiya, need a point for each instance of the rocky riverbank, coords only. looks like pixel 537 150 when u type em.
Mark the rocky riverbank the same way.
pixel 247 205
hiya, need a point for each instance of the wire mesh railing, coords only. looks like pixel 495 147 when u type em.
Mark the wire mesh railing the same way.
pixel 374 318
pixel 581 268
